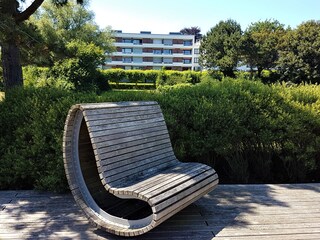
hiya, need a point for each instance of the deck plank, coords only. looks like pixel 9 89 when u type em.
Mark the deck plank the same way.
pixel 235 212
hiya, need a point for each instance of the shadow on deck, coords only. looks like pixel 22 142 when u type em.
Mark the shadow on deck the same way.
pixel 230 212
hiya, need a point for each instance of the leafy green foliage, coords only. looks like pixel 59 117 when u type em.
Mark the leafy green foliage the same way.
pixel 14 30
pixel 80 68
pixel 31 135
pixel 59 26
pixel 300 54
pixel 159 78
pixel 136 86
pixel 248 131
pixel 220 47
pixel 260 43
pixel 41 77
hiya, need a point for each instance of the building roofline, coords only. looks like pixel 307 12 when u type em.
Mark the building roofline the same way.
pixel 148 34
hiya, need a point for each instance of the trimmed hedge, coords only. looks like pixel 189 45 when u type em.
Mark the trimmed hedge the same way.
pixel 248 131
pixel 140 86
pixel 158 77
pixel 32 121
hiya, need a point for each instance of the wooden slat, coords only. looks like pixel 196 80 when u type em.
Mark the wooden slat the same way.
pixel 104 108
pixel 160 178
pixel 148 156
pixel 189 193
pixel 173 189
pixel 132 119
pixel 151 151
pixel 135 148
pixel 143 163
pixel 170 181
pixel 127 132
pixel 137 127
pixel 127 147
pixel 107 114
pixel 115 145
pixel 33 215
pixel 131 175
pixel 94 129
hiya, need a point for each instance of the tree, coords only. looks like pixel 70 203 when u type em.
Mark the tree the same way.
pixel 220 47
pixel 80 67
pixel 260 44
pixel 12 18
pixel 299 54
pixel 60 26
pixel 192 31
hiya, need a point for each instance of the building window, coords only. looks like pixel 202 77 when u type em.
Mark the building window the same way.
pixel 127 50
pixel 127 60
pixel 187 52
pixel 167 42
pixel 167 51
pixel 157 41
pixel 196 60
pixel 187 43
pixel 136 67
pixel 167 60
pixel 137 59
pixel 126 40
pixel 196 51
pixel 137 41
pixel 137 50
pixel 157 60
pixel 157 51
pixel 186 61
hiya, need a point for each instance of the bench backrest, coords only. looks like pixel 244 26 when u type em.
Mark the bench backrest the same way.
pixel 129 139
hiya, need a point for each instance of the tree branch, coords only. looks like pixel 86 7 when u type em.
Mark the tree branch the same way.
pixel 19 17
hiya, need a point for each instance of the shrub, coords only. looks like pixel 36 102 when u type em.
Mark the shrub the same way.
pixel 135 76
pixel 158 77
pixel 32 122
pixel 151 76
pixel 80 69
pixel 248 131
pixel 41 77
pixel 114 75
pixel 141 86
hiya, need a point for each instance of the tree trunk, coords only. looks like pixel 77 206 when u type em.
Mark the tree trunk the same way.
pixel 228 72
pixel 10 53
pixel 259 72
pixel 11 65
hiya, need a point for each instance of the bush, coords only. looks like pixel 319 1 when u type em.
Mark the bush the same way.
pixel 140 86
pixel 158 77
pixel 41 77
pixel 114 75
pixel 248 131
pixel 32 125
pixel 80 69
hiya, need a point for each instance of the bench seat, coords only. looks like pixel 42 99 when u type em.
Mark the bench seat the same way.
pixel 121 167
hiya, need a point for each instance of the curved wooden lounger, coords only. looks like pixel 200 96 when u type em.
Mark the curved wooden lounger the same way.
pixel 121 168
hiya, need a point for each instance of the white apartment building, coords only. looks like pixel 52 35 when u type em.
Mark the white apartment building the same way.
pixel 145 50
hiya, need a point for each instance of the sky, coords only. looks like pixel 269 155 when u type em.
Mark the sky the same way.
pixel 164 16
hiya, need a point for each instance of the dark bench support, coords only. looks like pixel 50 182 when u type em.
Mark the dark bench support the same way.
pixel 121 168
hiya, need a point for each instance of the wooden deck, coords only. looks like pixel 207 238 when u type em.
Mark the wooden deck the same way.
pixel 230 212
